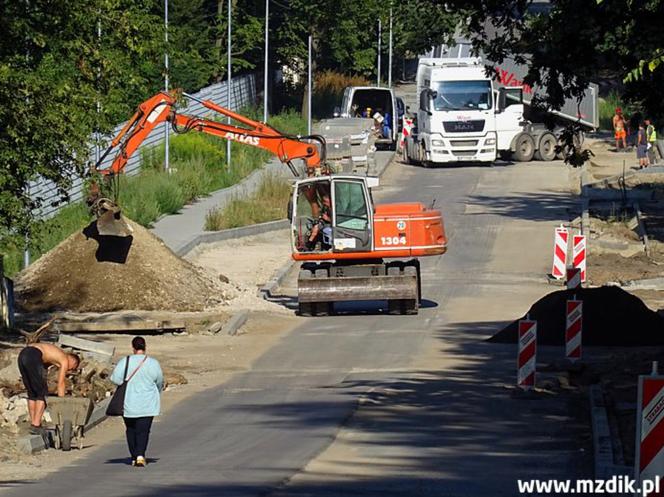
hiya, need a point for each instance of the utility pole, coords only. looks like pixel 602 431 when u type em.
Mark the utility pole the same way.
pixel 266 70
pixel 97 134
pixel 309 89
pixel 389 64
pixel 167 166
pixel 228 84
pixel 379 33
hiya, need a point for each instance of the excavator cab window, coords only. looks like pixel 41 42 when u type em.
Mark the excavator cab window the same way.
pixel 351 216
pixel 313 217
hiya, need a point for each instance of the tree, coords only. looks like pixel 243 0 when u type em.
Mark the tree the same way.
pixel 570 43
pixel 53 70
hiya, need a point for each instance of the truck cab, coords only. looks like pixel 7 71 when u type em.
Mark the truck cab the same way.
pixel 461 116
pixel 379 104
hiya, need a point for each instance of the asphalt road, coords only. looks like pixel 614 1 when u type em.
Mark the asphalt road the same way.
pixel 251 436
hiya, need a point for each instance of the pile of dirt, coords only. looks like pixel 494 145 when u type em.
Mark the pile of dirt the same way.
pixel 92 273
pixel 611 317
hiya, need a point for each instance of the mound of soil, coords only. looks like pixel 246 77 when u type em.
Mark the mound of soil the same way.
pixel 611 317
pixel 92 273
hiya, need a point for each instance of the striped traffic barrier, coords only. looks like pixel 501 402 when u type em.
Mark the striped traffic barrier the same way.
pixel 573 278
pixel 649 463
pixel 560 253
pixel 574 329
pixel 579 255
pixel 527 354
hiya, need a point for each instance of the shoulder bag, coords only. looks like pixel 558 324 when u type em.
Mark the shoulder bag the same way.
pixel 116 405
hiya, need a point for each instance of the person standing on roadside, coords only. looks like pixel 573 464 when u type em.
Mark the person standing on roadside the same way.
pixel 651 140
pixel 642 147
pixel 619 128
pixel 142 398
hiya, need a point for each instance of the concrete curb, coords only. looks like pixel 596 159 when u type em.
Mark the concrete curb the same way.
pixel 217 236
pixel 605 467
pixel 236 322
pixel 267 290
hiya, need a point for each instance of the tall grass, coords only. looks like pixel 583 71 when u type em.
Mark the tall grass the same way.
pixel 198 167
pixel 329 89
pixel 607 109
pixel 269 203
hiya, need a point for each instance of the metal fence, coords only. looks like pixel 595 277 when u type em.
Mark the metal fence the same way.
pixel 243 93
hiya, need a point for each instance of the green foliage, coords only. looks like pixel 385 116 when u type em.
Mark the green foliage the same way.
pixel 568 44
pixel 267 204
pixel 328 91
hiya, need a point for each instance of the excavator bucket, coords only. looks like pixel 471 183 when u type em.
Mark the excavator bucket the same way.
pixel 110 221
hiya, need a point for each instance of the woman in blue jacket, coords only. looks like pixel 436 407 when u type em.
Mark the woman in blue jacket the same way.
pixel 142 398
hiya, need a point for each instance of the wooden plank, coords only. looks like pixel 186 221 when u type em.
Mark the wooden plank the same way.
pixel 122 325
pixel 87 345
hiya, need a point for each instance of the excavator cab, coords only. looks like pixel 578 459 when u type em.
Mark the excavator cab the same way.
pixel 332 214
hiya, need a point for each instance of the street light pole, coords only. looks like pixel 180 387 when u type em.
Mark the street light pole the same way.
pixel 166 130
pixel 266 71
pixel 379 33
pixel 389 64
pixel 309 89
pixel 228 83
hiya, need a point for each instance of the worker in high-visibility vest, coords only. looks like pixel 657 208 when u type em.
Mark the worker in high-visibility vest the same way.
pixel 651 139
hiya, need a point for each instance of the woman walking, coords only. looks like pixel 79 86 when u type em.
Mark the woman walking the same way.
pixel 642 147
pixel 142 398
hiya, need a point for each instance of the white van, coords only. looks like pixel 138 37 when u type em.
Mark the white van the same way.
pixel 379 104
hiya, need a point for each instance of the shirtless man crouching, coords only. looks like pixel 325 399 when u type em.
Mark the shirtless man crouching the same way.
pixel 32 362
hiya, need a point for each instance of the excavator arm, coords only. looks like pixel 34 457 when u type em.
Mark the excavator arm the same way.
pixel 162 107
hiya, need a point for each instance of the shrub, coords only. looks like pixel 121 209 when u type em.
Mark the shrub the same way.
pixel 328 91
pixel 269 203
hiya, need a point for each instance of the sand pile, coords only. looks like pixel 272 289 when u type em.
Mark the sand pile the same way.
pixel 611 317
pixel 92 273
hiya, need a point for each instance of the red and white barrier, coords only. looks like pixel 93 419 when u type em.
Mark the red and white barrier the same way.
pixel 574 329
pixel 579 255
pixel 406 130
pixel 573 278
pixel 560 253
pixel 527 354
pixel 650 433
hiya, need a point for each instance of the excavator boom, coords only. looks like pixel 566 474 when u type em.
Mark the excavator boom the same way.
pixel 162 108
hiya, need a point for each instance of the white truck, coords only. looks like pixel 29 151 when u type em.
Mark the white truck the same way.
pixel 464 115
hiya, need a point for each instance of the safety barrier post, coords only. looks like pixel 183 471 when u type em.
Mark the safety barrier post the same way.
pixel 527 353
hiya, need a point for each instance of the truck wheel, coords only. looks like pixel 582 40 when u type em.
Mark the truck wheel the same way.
pixel 525 148
pixel 305 310
pixel 404 155
pixel 546 150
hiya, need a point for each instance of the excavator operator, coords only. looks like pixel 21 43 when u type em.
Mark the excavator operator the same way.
pixel 321 231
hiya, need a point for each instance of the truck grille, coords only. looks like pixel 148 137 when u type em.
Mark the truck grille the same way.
pixel 464 126
pixel 464 143
pixel 464 153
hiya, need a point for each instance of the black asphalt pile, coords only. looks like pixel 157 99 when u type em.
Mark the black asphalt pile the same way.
pixel 611 317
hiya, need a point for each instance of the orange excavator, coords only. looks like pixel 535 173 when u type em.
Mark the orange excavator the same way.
pixel 350 248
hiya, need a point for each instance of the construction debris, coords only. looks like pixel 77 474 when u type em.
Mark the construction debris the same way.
pixel 92 273
pixel 611 317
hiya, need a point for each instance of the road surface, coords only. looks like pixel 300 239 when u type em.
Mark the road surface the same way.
pixel 368 404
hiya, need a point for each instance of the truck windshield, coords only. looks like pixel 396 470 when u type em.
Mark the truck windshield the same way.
pixel 463 95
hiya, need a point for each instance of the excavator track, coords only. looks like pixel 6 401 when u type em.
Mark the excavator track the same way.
pixel 320 285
